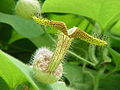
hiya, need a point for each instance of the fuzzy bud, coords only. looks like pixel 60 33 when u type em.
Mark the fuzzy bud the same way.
pixel 42 58
pixel 27 8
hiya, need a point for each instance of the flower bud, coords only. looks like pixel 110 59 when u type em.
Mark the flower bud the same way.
pixel 27 8
pixel 42 59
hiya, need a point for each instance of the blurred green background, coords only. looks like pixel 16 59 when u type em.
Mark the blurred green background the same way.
pixel 88 67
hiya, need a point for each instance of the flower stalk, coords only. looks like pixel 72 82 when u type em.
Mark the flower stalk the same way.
pixel 63 45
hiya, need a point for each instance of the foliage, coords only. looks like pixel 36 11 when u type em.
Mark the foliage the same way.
pixel 86 67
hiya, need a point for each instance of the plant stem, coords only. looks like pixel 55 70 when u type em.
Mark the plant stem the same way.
pixel 63 45
pixel 81 58
pixel 97 78
pixel 91 52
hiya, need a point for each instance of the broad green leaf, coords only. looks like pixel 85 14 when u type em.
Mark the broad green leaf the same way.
pixel 116 29
pixel 78 79
pixel 4 37
pixel 69 19
pixel 110 83
pixel 55 86
pixel 101 11
pixel 22 49
pixel 13 71
pixel 3 85
pixel 15 36
pixel 44 40
pixel 83 24
pixel 7 6
pixel 116 58
pixel 60 86
pixel 114 39
pixel 25 27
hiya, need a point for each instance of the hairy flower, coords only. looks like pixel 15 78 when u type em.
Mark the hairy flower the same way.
pixel 42 59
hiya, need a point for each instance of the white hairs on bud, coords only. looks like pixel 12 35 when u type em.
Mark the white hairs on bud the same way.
pixel 41 54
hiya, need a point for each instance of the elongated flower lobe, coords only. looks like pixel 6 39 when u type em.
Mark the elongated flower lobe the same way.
pixel 56 24
pixel 77 33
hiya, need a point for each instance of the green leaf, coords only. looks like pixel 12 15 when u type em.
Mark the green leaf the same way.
pixel 25 27
pixel 116 58
pixel 78 79
pixel 116 29
pixel 44 40
pixel 101 11
pixel 3 85
pixel 55 86
pixel 13 71
pixel 110 83
pixel 69 19
pixel 60 86
pixel 83 24
pixel 22 49
pixel 3 35
pixel 114 39
pixel 15 36
pixel 7 6
pixel 16 73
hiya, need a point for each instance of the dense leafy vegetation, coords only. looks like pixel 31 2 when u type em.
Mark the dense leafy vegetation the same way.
pixel 86 66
